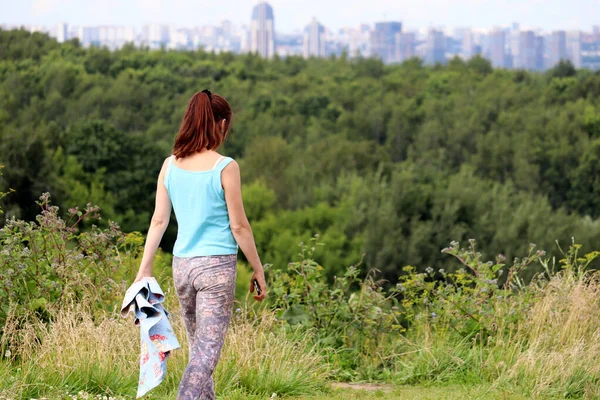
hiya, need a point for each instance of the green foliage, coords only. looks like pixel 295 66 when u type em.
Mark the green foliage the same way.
pixel 468 301
pixel 49 264
pixel 3 194
pixel 352 320
pixel 393 161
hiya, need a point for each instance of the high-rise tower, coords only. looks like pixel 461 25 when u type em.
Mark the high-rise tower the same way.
pixel 262 30
pixel 314 40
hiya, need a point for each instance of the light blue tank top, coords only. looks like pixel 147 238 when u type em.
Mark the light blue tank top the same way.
pixel 199 203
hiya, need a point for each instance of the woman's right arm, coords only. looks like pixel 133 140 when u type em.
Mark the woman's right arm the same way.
pixel 242 232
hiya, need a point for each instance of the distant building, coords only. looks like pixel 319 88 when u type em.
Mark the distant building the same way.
pixel 435 47
pixel 314 40
pixel 539 53
pixel 383 40
pixel 405 46
pixel 468 44
pixel 88 36
pixel 574 48
pixel 527 57
pixel 557 48
pixel 453 47
pixel 289 44
pixel 262 30
pixel 156 36
pixel 497 44
pixel 181 39
pixel 514 38
pixel 62 32
pixel 590 51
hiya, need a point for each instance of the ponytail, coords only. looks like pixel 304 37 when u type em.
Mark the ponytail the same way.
pixel 199 129
pixel 205 120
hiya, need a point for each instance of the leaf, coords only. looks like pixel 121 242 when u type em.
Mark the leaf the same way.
pixel 296 314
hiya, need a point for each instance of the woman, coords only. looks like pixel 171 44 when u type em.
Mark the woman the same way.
pixel 204 190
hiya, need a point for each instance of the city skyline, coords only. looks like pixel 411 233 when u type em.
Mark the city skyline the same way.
pixel 514 46
pixel 294 15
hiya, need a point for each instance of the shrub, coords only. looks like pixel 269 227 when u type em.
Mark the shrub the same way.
pixel 49 263
pixel 352 320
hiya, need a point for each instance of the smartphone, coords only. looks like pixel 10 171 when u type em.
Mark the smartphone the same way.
pixel 256 287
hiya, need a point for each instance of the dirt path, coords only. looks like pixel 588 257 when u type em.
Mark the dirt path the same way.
pixel 371 387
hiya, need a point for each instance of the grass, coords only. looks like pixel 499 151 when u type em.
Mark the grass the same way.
pixel 552 353
pixel 102 358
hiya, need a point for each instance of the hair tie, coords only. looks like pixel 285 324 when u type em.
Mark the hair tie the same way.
pixel 208 93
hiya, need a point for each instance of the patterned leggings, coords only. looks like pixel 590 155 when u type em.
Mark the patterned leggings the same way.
pixel 205 288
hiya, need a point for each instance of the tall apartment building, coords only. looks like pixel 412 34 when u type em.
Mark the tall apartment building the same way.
pixel 557 48
pixel 62 34
pixel 314 40
pixel 262 30
pixel 497 45
pixel 383 40
pixel 435 47
pixel 574 48
pixel 405 46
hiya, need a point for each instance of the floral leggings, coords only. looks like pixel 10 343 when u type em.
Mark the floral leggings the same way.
pixel 205 288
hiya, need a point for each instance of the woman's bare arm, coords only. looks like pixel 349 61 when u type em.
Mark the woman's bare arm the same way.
pixel 242 232
pixel 158 225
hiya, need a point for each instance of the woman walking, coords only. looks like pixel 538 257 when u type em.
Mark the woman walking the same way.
pixel 204 189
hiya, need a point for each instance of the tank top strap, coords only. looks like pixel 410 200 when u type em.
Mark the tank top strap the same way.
pixel 167 172
pixel 222 163
pixel 218 161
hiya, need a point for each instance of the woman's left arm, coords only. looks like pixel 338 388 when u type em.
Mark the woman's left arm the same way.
pixel 158 225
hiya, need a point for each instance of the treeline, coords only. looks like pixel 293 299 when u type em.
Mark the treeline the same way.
pixel 390 161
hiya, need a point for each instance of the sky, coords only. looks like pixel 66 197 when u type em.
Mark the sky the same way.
pixel 293 15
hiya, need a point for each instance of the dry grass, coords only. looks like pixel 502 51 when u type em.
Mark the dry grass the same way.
pixel 563 336
pixel 78 353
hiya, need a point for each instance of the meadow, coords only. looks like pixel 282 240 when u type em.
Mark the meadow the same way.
pixel 463 336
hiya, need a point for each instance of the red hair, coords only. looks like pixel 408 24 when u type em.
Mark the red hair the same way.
pixel 201 125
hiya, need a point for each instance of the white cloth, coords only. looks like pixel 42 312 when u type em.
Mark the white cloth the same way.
pixel 157 338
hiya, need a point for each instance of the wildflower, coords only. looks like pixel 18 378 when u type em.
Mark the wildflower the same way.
pixel 500 272
pixel 400 287
pixel 441 270
pixel 433 314
pixel 501 257
pixel 238 309
pixel 429 270
pixel 7 353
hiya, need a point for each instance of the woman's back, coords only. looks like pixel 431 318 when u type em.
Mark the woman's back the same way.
pixel 199 204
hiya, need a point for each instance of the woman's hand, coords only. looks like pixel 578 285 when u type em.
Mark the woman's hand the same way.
pixel 260 278
pixel 141 275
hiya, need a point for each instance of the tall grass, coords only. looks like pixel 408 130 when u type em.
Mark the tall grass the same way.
pixel 553 352
pixel 74 353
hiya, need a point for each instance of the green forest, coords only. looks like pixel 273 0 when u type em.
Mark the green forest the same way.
pixel 388 163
